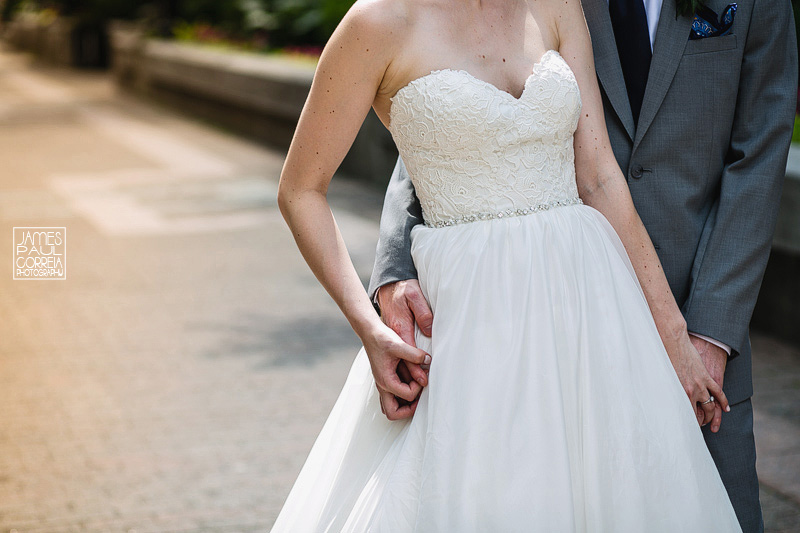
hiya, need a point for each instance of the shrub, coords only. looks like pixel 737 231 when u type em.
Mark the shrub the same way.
pixel 281 23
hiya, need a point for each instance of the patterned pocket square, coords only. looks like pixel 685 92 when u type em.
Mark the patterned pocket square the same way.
pixel 706 24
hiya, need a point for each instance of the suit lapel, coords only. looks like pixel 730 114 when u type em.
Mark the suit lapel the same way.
pixel 606 58
pixel 671 37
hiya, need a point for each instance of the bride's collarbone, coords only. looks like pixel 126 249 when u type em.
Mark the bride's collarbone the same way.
pixel 506 72
pixel 498 43
pixel 505 67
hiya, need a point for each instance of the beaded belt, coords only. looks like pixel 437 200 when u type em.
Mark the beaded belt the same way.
pixel 503 214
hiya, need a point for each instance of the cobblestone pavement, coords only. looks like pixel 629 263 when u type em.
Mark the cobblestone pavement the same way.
pixel 178 377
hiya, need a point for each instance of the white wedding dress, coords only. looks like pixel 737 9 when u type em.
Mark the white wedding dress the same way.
pixel 552 405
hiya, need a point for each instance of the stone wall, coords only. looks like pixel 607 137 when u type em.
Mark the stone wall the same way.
pixel 50 41
pixel 778 309
pixel 257 95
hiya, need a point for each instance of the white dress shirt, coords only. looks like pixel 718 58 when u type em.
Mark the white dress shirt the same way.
pixel 653 10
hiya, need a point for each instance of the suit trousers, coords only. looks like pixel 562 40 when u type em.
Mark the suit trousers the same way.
pixel 733 448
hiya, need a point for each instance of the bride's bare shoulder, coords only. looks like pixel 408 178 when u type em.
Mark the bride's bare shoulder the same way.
pixel 367 39
pixel 377 18
pixel 393 20
pixel 562 17
pixel 378 34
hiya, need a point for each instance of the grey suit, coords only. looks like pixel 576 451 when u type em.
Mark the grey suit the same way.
pixel 705 169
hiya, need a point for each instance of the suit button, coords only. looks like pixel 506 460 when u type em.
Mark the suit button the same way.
pixel 636 172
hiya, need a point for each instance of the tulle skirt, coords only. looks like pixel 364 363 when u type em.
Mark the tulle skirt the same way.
pixel 551 405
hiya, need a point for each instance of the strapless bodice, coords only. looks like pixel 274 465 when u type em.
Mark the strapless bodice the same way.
pixel 476 152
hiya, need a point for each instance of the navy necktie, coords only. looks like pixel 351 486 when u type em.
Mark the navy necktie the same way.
pixel 629 20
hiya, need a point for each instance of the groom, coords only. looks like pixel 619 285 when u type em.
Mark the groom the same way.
pixel 699 111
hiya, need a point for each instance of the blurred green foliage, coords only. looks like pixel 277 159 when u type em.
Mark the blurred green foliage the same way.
pixel 282 22
pixel 269 23
pixel 279 23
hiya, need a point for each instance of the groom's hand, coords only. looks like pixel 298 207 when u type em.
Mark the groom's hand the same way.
pixel 402 303
pixel 715 359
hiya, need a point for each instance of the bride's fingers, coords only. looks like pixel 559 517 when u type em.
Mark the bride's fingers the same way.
pixel 391 406
pixel 712 411
pixel 413 355
pixel 699 414
pixel 701 398
pixel 708 409
pixel 406 391
pixel 405 411
pixel 719 396
pixel 380 399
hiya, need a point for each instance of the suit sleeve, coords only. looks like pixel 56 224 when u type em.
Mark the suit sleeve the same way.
pixel 401 212
pixel 728 270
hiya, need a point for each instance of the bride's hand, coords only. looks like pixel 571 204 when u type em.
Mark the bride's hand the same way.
pixel 697 382
pixel 390 357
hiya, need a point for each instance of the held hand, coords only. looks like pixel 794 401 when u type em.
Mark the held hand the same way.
pixel 697 382
pixel 715 359
pixel 397 408
pixel 402 303
pixel 391 360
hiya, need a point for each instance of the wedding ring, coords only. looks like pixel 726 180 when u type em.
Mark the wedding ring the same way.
pixel 710 399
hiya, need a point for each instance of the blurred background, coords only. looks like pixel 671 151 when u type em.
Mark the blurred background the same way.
pixel 177 377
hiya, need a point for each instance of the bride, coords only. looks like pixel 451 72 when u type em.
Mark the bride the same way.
pixel 552 400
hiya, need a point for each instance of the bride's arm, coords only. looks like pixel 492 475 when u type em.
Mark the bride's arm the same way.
pixel 602 185
pixel 345 85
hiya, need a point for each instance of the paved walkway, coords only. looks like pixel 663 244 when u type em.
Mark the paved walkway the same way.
pixel 178 377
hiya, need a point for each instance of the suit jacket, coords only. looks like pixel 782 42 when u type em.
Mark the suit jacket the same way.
pixel 705 166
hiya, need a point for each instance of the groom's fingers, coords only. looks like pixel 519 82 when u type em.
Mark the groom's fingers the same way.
pixel 717 420
pixel 405 328
pixel 395 311
pixel 419 375
pixel 404 373
pixel 402 304
pixel 419 308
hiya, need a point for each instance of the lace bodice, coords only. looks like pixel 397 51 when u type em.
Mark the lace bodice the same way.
pixel 474 151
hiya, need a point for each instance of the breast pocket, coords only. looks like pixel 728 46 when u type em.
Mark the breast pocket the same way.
pixel 710 44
